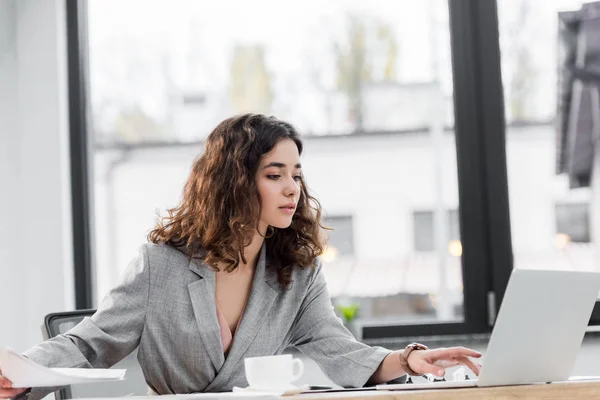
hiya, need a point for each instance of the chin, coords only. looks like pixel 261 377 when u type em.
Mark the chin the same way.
pixel 281 224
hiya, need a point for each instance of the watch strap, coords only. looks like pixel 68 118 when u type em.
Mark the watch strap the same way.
pixel 403 356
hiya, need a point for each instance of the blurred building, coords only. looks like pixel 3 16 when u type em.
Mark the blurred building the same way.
pixel 379 192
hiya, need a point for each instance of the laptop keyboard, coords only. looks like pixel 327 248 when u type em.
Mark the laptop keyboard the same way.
pixel 429 385
pixel 460 380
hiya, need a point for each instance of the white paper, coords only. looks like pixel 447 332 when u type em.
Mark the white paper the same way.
pixel 24 373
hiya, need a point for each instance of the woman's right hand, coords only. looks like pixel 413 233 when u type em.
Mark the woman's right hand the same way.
pixel 6 390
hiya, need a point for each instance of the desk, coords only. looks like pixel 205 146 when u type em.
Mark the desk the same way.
pixel 554 391
pixel 565 390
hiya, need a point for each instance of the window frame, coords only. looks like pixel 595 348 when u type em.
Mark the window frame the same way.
pixel 483 207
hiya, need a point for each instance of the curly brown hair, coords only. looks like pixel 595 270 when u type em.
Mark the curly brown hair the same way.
pixel 219 212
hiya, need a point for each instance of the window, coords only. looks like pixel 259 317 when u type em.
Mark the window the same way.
pixel 424 230
pixel 423 235
pixel 372 88
pixel 548 157
pixel 340 72
pixel 341 238
pixel 573 221
pixel 553 158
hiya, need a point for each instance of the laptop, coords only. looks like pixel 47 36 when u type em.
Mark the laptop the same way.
pixel 538 331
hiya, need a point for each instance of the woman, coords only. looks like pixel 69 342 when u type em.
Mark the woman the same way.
pixel 231 273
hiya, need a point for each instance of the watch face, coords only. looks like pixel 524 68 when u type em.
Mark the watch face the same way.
pixel 417 346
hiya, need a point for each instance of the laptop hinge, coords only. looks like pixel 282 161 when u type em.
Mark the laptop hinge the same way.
pixel 491 308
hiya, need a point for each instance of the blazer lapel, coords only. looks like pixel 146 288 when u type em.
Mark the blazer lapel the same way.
pixel 262 297
pixel 202 294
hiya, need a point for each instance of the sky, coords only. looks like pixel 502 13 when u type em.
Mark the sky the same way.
pixel 135 44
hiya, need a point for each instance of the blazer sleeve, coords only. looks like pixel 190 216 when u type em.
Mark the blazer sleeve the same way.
pixel 319 334
pixel 106 337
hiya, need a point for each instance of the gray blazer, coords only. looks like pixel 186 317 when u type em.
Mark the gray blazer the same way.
pixel 166 307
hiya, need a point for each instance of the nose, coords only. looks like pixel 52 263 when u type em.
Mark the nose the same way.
pixel 292 189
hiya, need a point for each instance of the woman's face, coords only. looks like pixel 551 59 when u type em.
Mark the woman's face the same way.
pixel 278 180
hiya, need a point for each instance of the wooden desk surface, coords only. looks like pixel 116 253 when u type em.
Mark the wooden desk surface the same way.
pixel 563 390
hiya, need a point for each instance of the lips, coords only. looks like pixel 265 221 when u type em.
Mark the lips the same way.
pixel 288 209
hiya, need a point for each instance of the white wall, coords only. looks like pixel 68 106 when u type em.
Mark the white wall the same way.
pixel 35 218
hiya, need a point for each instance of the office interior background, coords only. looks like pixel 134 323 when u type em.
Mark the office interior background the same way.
pixel 448 142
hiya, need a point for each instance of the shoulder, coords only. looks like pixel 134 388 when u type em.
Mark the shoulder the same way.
pixel 162 255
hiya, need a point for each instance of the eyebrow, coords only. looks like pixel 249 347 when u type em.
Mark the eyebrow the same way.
pixel 280 165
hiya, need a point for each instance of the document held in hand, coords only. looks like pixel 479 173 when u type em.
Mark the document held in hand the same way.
pixel 24 373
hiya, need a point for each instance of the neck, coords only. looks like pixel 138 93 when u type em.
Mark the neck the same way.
pixel 251 252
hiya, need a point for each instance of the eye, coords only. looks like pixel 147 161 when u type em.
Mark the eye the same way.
pixel 273 177
pixel 298 178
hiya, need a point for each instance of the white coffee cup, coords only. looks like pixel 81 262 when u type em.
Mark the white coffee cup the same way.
pixel 273 372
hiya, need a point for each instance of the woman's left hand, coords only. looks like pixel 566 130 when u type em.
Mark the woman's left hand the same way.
pixel 435 361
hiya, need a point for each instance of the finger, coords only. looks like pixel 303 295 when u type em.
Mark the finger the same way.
pixel 464 352
pixel 7 393
pixel 446 363
pixel 454 353
pixel 5 383
pixel 426 368
pixel 475 367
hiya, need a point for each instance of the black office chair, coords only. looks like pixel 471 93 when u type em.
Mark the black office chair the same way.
pixel 134 383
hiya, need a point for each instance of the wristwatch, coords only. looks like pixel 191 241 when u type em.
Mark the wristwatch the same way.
pixel 404 357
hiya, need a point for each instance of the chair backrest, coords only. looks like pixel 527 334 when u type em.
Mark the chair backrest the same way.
pixel 134 383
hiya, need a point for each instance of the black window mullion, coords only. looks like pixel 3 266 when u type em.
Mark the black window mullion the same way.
pixel 476 277
pixel 494 141
pixel 81 196
pixel 481 147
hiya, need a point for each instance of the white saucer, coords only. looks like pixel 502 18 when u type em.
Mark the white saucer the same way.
pixel 287 389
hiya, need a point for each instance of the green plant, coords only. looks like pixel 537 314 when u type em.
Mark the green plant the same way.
pixel 349 311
